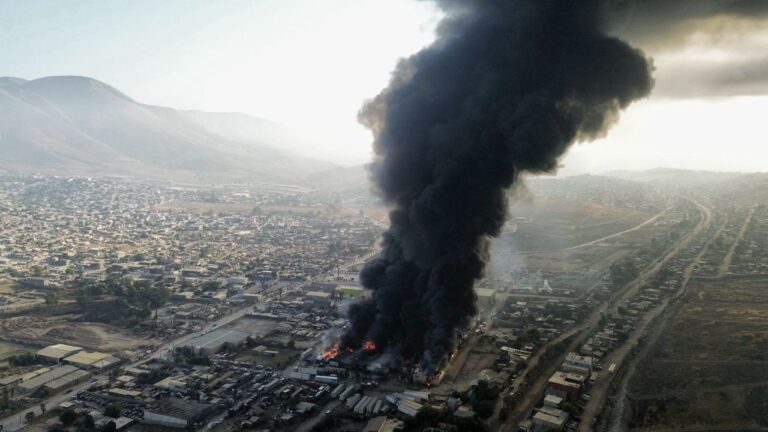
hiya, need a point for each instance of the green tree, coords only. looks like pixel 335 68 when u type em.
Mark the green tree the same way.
pixel 22 359
pixel 67 417
pixel 109 427
pixel 113 410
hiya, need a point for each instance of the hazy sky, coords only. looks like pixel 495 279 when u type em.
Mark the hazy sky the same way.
pixel 310 64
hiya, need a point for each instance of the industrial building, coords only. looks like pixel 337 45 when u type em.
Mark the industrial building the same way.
pixel 348 291
pixel 548 419
pixel 319 298
pixel 92 360
pixel 57 353
pixel 215 341
pixel 67 381
pixel 54 377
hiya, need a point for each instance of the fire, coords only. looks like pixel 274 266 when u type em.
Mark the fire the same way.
pixel 335 350
pixel 332 352
pixel 369 346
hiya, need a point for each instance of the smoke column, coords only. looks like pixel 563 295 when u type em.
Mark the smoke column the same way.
pixel 505 89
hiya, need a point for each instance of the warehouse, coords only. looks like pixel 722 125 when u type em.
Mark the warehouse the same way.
pixel 215 341
pixel 67 381
pixel 92 360
pixel 43 379
pixel 56 353
pixel 319 299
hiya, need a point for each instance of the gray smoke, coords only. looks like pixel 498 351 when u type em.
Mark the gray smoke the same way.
pixel 506 88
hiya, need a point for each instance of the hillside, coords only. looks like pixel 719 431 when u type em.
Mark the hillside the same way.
pixel 676 177
pixel 78 125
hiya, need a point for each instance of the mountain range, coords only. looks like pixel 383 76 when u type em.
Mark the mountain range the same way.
pixel 78 125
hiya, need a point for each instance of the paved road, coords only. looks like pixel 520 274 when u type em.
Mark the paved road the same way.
pixel 165 350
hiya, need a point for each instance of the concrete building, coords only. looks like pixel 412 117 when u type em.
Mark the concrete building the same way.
pixel 552 401
pixel 319 298
pixel 578 363
pixel 559 381
pixel 549 419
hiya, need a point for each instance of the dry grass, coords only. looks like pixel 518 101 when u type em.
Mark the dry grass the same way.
pixel 713 353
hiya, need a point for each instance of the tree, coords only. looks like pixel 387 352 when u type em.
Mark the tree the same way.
pixel 52 299
pixel 113 410
pixel 88 423
pixel 29 416
pixel 67 417
pixel 81 298
pixel 109 427
pixel 22 359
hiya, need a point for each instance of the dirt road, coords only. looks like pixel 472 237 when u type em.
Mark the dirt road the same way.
pixel 583 330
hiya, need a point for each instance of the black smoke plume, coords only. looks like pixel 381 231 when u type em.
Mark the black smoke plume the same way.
pixel 504 90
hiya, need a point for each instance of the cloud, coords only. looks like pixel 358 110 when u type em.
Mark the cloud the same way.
pixel 700 48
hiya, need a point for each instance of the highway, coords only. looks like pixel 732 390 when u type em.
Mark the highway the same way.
pixel 581 331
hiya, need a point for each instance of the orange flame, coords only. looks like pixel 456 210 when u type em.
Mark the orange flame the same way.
pixel 332 352
pixel 369 346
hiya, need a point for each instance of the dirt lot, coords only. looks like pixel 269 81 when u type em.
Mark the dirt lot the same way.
pixel 64 329
pixel 710 368
pixel 476 356
pixel 554 223
pixel 8 349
